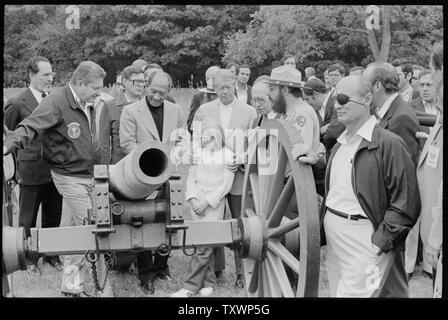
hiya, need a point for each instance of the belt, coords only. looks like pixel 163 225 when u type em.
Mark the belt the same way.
pixel 347 216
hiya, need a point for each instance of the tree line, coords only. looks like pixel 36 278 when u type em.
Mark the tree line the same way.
pixel 186 39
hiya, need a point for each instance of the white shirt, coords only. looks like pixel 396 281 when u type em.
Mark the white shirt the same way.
pixel 225 113
pixel 128 99
pixel 271 115
pixel 430 107
pixel 37 94
pixel 78 101
pixel 242 94
pixel 386 105
pixel 341 196
pixel 406 95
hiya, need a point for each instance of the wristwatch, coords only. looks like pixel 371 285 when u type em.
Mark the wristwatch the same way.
pixel 377 250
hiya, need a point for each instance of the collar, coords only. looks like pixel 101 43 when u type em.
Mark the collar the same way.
pixel 77 99
pixel 128 100
pixel 229 106
pixel 386 105
pixel 37 94
pixel 327 97
pixel 238 89
pixel 365 132
pixel 407 91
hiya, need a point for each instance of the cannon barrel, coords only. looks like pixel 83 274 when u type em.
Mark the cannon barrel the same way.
pixel 141 172
pixel 426 119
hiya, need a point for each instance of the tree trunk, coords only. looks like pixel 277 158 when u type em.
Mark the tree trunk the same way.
pixel 385 43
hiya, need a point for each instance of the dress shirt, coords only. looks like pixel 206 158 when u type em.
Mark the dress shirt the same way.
pixel 341 195
pixel 38 94
pixel 242 94
pixel 129 100
pixel 430 107
pixel 406 95
pixel 271 115
pixel 225 113
pixel 386 105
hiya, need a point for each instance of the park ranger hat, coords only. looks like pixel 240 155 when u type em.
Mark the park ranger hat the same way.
pixel 286 76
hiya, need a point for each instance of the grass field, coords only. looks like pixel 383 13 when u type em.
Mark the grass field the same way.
pixel 127 285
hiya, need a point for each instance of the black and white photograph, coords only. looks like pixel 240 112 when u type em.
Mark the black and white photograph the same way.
pixel 222 151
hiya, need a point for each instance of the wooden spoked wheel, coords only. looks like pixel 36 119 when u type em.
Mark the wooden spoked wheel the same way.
pixel 280 224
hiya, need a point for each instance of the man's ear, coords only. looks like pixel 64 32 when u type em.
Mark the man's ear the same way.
pixel 409 76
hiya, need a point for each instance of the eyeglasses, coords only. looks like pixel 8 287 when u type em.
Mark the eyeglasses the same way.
pixel 343 99
pixel 138 82
pixel 46 75
pixel 259 100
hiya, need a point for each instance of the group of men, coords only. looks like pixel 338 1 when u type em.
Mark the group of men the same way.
pixel 388 166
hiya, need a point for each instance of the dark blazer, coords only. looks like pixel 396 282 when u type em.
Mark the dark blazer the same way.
pixel 114 108
pixel 249 94
pixel 32 168
pixel 335 128
pixel 417 105
pixel 401 120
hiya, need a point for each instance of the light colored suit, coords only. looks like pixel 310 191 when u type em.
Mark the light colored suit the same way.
pixel 429 181
pixel 137 124
pixel 242 118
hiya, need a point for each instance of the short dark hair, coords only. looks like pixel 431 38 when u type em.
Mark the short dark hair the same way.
pixel 337 67
pixel 129 71
pixel 31 65
pixel 386 74
pixel 241 67
pixel 437 55
pixel 287 56
pixel 424 72
pixel 237 68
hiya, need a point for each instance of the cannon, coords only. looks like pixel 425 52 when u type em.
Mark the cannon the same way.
pixel 278 233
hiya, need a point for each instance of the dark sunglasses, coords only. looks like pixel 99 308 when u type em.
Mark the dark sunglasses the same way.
pixel 343 99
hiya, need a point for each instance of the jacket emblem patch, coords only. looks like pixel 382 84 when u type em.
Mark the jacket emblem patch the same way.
pixel 74 130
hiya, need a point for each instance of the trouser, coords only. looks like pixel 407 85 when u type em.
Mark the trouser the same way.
pixel 437 277
pixel 149 268
pixel 77 199
pixel 414 249
pixel 235 211
pixel 203 271
pixel 354 270
pixel 30 197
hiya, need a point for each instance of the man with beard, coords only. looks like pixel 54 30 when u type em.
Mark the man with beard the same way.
pixel 286 96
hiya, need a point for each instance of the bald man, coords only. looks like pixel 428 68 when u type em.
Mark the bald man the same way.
pixel 148 119
pixel 372 200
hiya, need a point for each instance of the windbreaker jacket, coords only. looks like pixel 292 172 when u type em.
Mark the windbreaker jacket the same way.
pixel 385 183
pixel 68 144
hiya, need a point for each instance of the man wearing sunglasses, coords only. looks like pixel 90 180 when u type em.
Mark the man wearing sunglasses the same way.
pixel 372 201
pixel 391 111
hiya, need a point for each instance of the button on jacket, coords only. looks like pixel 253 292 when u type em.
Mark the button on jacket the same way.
pixel 68 144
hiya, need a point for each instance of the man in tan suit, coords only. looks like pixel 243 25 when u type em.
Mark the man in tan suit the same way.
pixel 152 118
pixel 236 117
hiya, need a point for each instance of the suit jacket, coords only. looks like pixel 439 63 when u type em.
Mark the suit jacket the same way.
pixel 430 179
pixel 111 119
pixel 32 168
pixel 249 94
pixel 241 120
pixel 334 129
pixel 198 99
pixel 137 124
pixel 401 120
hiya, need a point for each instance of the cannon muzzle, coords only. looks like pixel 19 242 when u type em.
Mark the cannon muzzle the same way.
pixel 141 172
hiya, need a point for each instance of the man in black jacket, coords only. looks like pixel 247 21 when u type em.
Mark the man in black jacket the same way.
pixel 372 201
pixel 391 111
pixel 36 185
